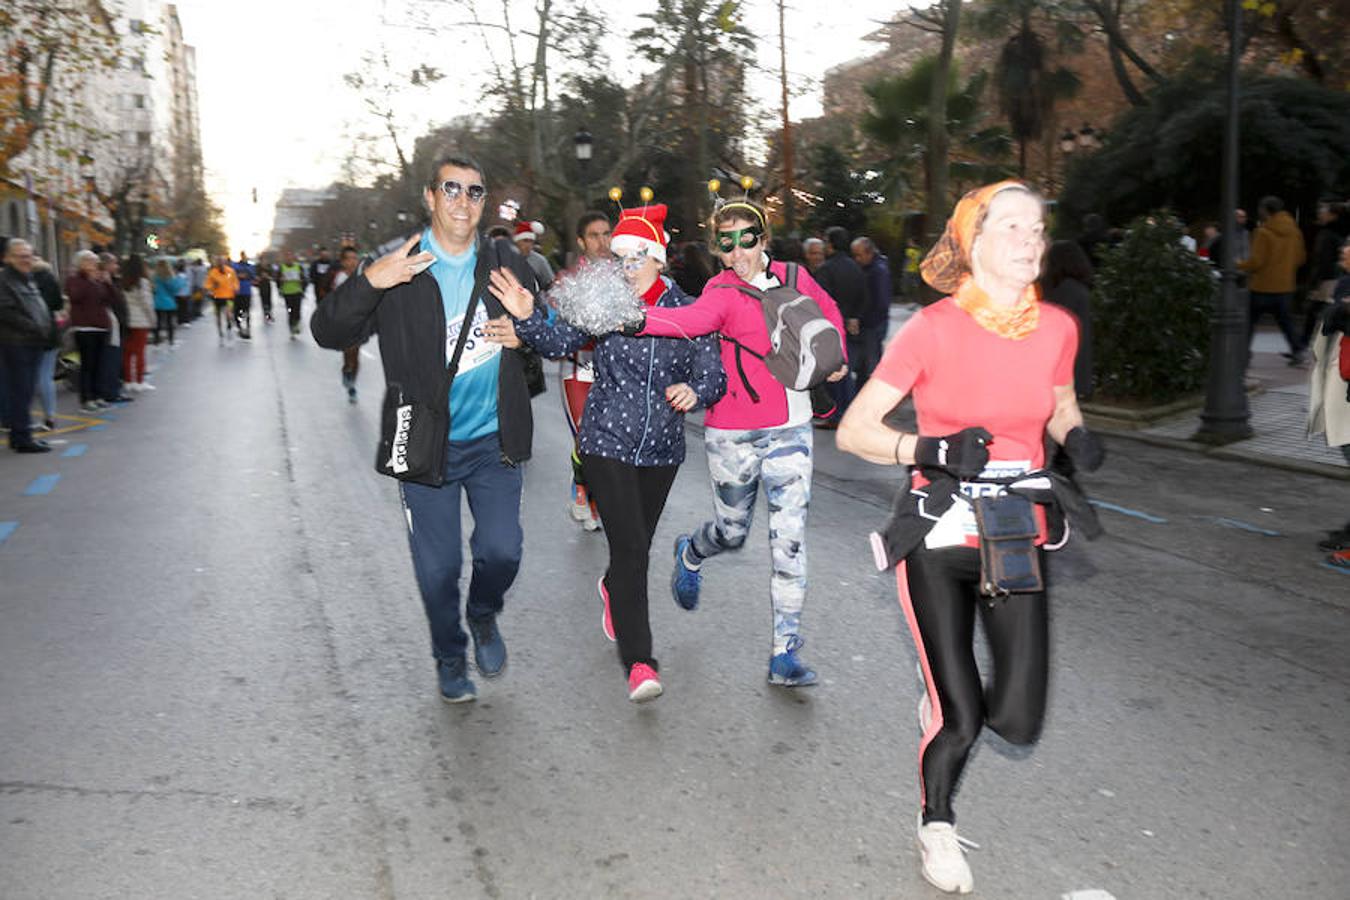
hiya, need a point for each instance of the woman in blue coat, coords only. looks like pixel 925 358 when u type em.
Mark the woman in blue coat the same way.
pixel 632 432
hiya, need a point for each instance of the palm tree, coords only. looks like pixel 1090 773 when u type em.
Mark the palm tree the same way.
pixel 898 123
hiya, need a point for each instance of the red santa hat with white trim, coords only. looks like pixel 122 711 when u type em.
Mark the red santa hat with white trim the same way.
pixel 528 230
pixel 642 230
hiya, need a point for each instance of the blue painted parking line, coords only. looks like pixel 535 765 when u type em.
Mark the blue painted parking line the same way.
pixel 96 428
pixel 1326 565
pixel 6 529
pixel 76 450
pixel 1244 526
pixel 42 484
pixel 1124 511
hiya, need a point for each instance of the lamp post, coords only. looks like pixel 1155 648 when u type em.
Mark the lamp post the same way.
pixel 1226 417
pixel 583 145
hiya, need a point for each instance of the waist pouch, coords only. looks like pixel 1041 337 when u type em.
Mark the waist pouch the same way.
pixel 412 439
pixel 1009 561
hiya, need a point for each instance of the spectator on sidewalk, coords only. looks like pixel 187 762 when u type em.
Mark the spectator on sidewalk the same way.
pixel 26 331
pixel 877 314
pixel 1067 282
pixel 1329 389
pixel 525 238
pixel 813 253
pixel 140 319
pixel 843 280
pixel 92 320
pixel 110 371
pixel 182 293
pixel 50 288
pixel 166 299
pixel 1332 230
pixel 1272 269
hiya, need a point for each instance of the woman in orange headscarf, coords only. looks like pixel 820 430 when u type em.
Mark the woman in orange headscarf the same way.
pixel 991 371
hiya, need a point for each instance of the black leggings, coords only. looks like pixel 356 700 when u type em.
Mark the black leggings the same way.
pixel 939 593
pixel 630 500
pixel 293 309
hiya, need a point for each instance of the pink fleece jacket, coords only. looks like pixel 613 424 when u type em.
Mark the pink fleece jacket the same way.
pixel 724 309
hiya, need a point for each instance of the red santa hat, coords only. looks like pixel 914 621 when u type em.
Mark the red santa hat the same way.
pixel 528 230
pixel 642 229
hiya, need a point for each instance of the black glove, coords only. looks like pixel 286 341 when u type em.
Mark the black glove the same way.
pixel 633 329
pixel 964 454
pixel 1084 449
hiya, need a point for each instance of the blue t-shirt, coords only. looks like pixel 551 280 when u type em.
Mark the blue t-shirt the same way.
pixel 473 396
pixel 246 274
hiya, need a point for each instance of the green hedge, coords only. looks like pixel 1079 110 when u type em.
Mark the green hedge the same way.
pixel 1151 305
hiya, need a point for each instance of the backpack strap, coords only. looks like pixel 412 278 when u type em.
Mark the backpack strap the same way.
pixel 790 276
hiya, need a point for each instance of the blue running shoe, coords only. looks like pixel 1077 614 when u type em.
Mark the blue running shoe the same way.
pixel 489 650
pixel 455 684
pixel 684 581
pixel 789 671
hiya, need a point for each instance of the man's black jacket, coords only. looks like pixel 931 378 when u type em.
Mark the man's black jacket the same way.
pixel 410 321
pixel 843 280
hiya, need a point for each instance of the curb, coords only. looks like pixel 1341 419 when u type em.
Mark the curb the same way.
pixel 1230 453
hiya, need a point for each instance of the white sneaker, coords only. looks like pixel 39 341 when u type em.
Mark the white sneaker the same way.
pixel 146 386
pixel 943 858
pixel 133 386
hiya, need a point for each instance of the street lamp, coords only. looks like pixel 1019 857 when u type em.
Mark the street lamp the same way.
pixel 1226 416
pixel 584 145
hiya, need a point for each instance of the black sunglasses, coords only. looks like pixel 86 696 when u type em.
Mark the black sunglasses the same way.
pixel 474 192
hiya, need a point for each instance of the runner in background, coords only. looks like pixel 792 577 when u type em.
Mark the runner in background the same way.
pixel 291 283
pixel 351 356
pixel 243 298
pixel 576 372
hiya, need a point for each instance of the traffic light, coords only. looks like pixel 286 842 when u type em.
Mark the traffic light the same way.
pixel 152 241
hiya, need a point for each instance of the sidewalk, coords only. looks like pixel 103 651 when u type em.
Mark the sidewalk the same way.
pixel 1279 415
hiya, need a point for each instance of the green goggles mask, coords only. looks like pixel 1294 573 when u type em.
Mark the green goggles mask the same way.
pixel 745 238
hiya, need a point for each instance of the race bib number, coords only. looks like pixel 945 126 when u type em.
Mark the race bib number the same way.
pixel 478 350
pixel 957 526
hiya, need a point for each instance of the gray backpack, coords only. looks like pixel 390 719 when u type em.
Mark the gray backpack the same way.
pixel 805 347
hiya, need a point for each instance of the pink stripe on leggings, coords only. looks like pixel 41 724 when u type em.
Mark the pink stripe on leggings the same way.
pixel 935 723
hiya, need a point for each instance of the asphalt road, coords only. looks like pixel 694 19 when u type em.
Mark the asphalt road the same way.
pixel 215 682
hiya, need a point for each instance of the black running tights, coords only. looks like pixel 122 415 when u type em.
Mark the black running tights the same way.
pixel 939 593
pixel 630 500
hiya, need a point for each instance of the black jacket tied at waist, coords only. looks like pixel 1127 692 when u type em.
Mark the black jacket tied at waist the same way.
pixel 917 509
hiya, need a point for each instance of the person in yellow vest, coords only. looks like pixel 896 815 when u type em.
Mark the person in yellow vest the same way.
pixel 291 284
pixel 221 285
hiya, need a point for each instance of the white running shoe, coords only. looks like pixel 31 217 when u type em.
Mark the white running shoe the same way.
pixel 146 386
pixel 943 858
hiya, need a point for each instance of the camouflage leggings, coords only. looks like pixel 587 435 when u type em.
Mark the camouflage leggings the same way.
pixel 780 459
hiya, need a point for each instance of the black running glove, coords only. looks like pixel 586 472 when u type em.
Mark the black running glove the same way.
pixel 964 454
pixel 1085 449
pixel 633 329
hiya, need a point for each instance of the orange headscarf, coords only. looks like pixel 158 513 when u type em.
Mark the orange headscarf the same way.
pixel 947 267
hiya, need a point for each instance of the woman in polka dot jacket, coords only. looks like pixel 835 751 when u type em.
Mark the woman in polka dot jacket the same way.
pixel 632 432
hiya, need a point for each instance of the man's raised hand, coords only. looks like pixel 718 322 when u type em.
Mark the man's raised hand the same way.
pixel 398 267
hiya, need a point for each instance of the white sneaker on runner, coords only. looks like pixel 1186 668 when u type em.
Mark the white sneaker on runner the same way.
pixel 943 859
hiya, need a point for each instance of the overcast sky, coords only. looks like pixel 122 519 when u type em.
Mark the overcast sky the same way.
pixel 275 112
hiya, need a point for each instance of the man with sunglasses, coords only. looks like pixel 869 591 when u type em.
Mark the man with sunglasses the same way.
pixel 418 299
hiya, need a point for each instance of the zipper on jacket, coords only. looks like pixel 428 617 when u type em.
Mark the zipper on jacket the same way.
pixel 647 422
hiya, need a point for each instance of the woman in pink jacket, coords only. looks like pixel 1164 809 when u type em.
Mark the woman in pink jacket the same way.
pixel 758 433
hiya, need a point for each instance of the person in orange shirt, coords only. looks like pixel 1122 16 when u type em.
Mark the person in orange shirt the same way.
pixel 222 284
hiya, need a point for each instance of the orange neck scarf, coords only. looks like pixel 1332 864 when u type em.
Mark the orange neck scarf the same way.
pixel 1014 322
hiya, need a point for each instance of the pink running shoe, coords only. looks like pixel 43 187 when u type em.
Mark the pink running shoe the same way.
pixel 606 622
pixel 643 683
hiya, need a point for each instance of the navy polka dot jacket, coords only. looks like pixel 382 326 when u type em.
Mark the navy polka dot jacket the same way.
pixel 627 416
